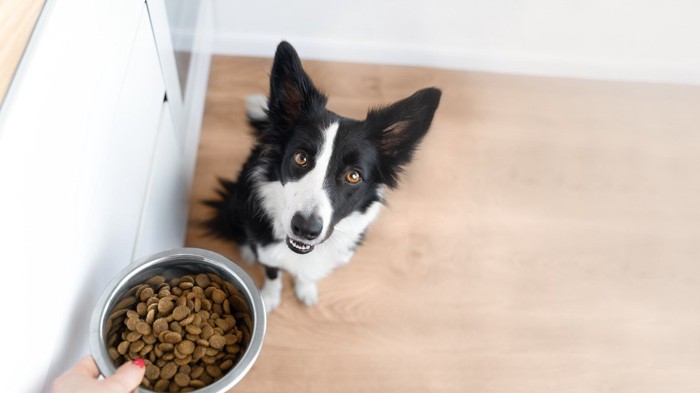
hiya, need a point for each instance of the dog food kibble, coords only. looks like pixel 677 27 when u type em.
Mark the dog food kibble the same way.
pixel 190 330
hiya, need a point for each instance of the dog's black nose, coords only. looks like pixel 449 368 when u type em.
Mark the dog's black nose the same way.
pixel 307 228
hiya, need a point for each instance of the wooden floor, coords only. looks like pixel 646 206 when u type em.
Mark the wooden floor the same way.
pixel 18 19
pixel 545 239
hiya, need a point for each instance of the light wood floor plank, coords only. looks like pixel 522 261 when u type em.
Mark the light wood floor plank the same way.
pixel 18 19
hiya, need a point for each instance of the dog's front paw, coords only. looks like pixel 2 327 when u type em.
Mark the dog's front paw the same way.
pixel 271 293
pixel 307 292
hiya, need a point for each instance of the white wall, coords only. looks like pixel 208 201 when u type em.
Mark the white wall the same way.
pixel 645 40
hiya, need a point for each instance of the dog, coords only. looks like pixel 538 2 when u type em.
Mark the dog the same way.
pixel 314 180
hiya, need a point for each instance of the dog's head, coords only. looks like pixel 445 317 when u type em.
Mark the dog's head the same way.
pixel 331 167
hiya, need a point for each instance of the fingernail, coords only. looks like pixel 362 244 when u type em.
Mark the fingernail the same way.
pixel 139 362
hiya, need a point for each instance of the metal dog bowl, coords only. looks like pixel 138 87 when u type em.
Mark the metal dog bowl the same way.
pixel 173 263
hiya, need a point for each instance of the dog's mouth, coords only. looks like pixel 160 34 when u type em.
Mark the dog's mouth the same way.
pixel 299 247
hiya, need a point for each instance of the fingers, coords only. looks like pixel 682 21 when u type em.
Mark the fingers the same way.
pixel 127 377
pixel 86 366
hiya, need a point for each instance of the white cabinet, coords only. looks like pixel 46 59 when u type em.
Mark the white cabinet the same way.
pixel 92 174
pixel 165 207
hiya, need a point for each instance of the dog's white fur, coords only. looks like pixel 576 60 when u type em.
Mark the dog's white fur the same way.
pixel 307 195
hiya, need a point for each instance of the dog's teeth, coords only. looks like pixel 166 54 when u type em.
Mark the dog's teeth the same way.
pixel 299 245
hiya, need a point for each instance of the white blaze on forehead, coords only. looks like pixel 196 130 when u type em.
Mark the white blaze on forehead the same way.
pixel 307 195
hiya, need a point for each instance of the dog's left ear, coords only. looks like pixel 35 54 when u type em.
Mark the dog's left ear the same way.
pixel 400 127
pixel 291 91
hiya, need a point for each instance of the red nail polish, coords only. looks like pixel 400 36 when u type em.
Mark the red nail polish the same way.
pixel 139 362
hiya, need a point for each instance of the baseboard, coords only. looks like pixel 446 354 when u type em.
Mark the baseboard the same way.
pixel 461 59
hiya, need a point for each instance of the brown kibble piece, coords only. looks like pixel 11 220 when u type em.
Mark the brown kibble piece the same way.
pixel 207 331
pixel 168 371
pixel 172 338
pixel 196 372
pixel 183 361
pixel 165 306
pixel 131 323
pixel 230 288
pixel 187 278
pixel 113 353
pixel 142 309
pixel 215 279
pixel 187 320
pixel 180 313
pixel 199 352
pixel 152 372
pixel 176 327
pixel 202 280
pixel 159 325
pixel 182 379
pixel 133 336
pixel 136 346
pixel 161 385
pixel 146 294
pixel 206 378
pixel 230 339
pixel 226 364
pixel 216 341
pixel 186 285
pixel 143 328
pixel 233 349
pixel 155 281
pixel 152 302
pixel 221 323
pixel 186 347
pixel 123 347
pixel 124 303
pixel 193 329
pixel 214 371
pixel 185 369
pixel 150 316
pixel 218 296
pixel 146 350
pixel 196 383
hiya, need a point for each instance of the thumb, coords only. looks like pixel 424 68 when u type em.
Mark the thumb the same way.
pixel 127 377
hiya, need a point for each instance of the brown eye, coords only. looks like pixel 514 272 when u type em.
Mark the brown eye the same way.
pixel 300 158
pixel 353 177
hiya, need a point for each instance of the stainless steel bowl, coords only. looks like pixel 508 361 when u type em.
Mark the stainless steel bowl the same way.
pixel 170 264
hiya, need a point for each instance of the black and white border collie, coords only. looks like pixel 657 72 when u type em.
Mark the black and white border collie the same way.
pixel 314 180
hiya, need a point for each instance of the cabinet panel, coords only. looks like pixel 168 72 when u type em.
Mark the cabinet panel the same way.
pixel 76 141
pixel 164 218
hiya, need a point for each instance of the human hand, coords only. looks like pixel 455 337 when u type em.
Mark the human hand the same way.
pixel 82 378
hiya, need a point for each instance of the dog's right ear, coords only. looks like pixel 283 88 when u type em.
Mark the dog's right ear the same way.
pixel 400 127
pixel 291 90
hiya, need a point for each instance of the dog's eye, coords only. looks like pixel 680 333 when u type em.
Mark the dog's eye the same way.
pixel 353 177
pixel 300 158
